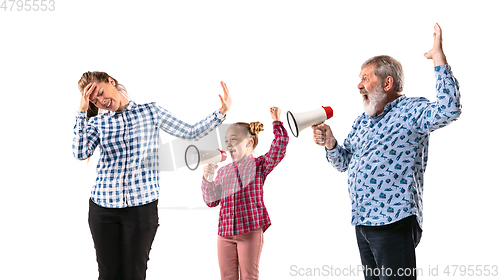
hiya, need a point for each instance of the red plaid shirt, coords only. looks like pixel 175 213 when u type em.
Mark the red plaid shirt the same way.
pixel 238 188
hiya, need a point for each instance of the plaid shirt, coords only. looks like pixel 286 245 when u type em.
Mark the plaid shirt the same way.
pixel 127 171
pixel 238 188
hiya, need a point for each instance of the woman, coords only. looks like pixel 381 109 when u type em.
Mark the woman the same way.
pixel 238 188
pixel 123 214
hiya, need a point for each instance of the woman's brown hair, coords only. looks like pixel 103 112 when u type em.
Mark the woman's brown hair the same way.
pixel 253 129
pixel 96 76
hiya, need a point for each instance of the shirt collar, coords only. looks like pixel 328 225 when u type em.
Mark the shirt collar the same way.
pixel 131 106
pixel 244 162
pixel 388 107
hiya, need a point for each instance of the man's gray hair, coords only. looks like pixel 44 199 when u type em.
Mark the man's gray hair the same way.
pixel 387 66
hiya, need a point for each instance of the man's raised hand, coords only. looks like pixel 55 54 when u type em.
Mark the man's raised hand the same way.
pixel 436 53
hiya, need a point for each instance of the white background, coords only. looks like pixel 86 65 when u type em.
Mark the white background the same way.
pixel 297 55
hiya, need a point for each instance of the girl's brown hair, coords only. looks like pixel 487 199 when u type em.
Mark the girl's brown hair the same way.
pixel 96 76
pixel 253 129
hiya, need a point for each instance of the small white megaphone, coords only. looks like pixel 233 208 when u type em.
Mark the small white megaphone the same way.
pixel 195 157
pixel 298 121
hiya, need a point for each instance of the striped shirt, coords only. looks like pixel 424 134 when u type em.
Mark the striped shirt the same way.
pixel 386 156
pixel 238 188
pixel 127 170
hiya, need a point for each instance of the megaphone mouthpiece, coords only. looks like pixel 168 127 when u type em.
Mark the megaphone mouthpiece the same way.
pixel 223 155
pixel 328 111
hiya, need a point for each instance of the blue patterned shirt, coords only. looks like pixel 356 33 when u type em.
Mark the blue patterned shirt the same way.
pixel 386 156
pixel 127 171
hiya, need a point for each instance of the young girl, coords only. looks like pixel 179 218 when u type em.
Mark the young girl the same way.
pixel 238 188
pixel 123 213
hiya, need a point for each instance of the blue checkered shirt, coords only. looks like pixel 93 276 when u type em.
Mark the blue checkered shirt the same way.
pixel 386 156
pixel 127 171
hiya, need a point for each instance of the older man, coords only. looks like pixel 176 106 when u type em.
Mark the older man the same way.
pixel 385 155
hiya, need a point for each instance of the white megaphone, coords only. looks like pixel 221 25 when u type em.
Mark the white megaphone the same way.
pixel 298 121
pixel 195 157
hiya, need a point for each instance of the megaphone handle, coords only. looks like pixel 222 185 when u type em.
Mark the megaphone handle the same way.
pixel 321 130
pixel 210 177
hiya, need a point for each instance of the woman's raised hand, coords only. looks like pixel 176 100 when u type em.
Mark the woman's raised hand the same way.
pixel 225 100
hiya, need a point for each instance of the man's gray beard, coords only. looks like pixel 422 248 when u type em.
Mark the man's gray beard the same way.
pixel 377 97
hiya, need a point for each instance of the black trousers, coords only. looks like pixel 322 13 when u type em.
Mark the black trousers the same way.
pixel 123 239
pixel 388 252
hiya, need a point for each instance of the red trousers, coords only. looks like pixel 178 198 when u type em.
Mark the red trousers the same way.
pixel 240 252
